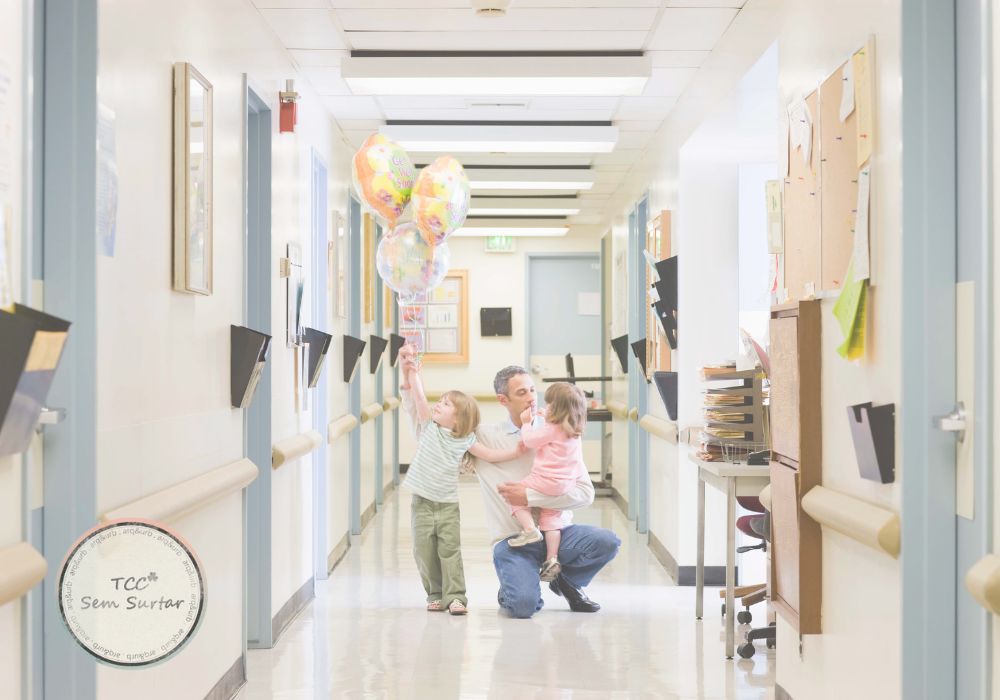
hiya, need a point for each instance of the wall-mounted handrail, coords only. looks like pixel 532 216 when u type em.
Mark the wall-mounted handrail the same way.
pixel 391 403
pixel 488 398
pixel 633 414
pixel 180 499
pixel 21 567
pixel 617 408
pixel 294 447
pixel 869 524
pixel 371 411
pixel 765 496
pixel 660 428
pixel 983 582
pixel 341 426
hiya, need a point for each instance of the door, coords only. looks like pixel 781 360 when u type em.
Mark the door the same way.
pixel 379 380
pixel 320 320
pixel 563 308
pixel 354 389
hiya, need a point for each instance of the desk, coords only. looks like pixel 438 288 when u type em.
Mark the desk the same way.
pixel 733 479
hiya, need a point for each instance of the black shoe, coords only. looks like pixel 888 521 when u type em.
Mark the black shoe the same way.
pixel 577 599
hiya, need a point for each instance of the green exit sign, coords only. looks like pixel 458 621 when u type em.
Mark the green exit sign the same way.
pixel 499 244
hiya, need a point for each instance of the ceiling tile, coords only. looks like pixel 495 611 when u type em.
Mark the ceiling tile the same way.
pixel 677 59
pixel 668 81
pixel 540 40
pixel 318 58
pixel 638 125
pixel 326 81
pixel 291 4
pixel 517 19
pixel 367 125
pixel 353 107
pixel 691 29
pixel 465 4
pixel 706 3
pixel 620 156
pixel 645 108
pixel 305 29
pixel 634 139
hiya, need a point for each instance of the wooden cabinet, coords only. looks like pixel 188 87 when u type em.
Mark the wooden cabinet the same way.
pixel 797 463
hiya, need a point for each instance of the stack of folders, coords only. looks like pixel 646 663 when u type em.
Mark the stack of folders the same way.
pixel 734 412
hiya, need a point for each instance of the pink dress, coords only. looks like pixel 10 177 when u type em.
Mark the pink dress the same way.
pixel 557 467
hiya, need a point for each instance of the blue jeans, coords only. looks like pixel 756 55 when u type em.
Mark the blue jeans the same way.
pixel 583 551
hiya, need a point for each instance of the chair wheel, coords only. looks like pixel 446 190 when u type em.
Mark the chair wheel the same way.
pixel 744 617
pixel 770 643
pixel 746 650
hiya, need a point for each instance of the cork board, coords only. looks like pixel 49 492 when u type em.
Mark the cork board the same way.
pixel 803 274
pixel 784 351
pixel 839 178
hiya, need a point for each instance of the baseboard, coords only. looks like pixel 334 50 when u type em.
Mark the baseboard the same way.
pixel 619 501
pixel 367 516
pixel 781 694
pixel 387 489
pixel 292 608
pixel 338 552
pixel 231 681
pixel 684 575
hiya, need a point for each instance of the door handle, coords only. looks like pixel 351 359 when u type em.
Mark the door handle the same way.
pixel 50 416
pixel 954 422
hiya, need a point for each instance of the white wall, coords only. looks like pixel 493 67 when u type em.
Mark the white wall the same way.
pixel 163 391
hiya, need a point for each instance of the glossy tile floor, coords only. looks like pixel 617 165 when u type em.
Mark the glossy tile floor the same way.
pixel 367 635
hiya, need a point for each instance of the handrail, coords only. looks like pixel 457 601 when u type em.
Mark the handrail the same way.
pixel 983 582
pixel 488 398
pixel 660 428
pixel 617 408
pixel 633 415
pixel 391 403
pixel 868 524
pixel 341 426
pixel 180 499
pixel 294 447
pixel 765 497
pixel 21 567
pixel 371 411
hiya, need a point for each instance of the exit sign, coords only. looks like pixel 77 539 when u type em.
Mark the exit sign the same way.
pixel 499 244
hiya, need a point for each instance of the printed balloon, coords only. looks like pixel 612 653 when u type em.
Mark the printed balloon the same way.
pixel 408 264
pixel 440 199
pixel 383 177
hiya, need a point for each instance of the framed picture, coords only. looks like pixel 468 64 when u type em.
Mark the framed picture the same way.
pixel 295 289
pixel 337 260
pixel 442 340
pixel 413 316
pixel 192 259
pixel 442 316
pixel 447 320
pixel 368 276
pixel 448 292
pixel 415 337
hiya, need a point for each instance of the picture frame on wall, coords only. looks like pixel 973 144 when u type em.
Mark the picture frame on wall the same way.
pixel 413 316
pixel 447 320
pixel 192 210
pixel 337 276
pixel 295 290
pixel 414 337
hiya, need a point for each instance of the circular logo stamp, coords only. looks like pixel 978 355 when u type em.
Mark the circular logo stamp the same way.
pixel 131 592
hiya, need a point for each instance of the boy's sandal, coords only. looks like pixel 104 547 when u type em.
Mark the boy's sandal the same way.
pixel 435 606
pixel 456 607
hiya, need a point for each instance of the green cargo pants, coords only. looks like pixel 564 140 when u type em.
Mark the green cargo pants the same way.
pixel 437 547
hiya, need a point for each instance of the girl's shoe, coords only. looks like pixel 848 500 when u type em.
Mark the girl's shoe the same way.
pixel 550 569
pixel 533 535
pixel 435 606
pixel 456 607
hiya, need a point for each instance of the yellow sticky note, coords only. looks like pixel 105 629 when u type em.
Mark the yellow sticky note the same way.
pixel 852 315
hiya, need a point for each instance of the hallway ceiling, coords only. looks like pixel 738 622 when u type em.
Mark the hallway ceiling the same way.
pixel 674 36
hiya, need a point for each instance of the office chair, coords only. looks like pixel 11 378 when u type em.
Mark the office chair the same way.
pixel 758 527
pixel 753 594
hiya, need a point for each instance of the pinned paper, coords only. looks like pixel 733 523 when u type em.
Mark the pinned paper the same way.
pixel 651 261
pixel 863 100
pixel 800 129
pixel 775 241
pixel 847 91
pixel 851 313
pixel 783 137
pixel 862 262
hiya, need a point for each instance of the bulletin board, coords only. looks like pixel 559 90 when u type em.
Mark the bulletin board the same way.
pixel 802 214
pixel 658 244
pixel 839 175
pixel 437 322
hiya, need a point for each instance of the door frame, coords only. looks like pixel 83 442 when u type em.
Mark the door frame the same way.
pixel 320 239
pixel 355 245
pixel 379 382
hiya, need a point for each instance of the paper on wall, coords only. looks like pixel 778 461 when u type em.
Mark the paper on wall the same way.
pixel 651 261
pixel 775 239
pixel 589 304
pixel 800 129
pixel 847 91
pixel 862 263
pixel 851 312
pixel 107 182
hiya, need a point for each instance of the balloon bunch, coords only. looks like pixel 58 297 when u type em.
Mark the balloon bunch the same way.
pixel 414 256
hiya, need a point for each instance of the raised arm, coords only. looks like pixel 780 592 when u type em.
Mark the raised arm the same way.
pixel 422 409
pixel 495 455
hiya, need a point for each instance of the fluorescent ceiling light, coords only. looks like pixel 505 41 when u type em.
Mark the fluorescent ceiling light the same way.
pixel 496 75
pixel 520 211
pixel 502 138
pixel 529 185
pixel 534 232
pixel 530 179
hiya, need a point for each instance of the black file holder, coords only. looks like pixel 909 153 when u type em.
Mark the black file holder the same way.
pixel 30 351
pixel 666 289
pixel 874 434
pixel 639 350
pixel 353 349
pixel 378 345
pixel 396 343
pixel 248 351
pixel 666 385
pixel 319 345
pixel 495 321
pixel 668 321
pixel 620 345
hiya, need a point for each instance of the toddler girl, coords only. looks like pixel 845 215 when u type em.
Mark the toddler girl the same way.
pixel 445 432
pixel 558 465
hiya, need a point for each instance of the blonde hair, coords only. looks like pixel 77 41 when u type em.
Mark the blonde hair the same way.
pixel 466 413
pixel 567 407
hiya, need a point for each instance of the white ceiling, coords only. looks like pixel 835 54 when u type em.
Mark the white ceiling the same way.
pixel 676 35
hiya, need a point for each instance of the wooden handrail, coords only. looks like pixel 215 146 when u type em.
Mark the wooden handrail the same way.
pixel 391 403
pixel 983 582
pixel 180 499
pixel 660 428
pixel 617 408
pixel 869 524
pixel 341 426
pixel 294 447
pixel 765 496
pixel 371 411
pixel 487 398
pixel 21 567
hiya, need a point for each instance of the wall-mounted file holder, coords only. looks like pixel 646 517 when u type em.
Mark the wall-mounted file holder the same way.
pixel 620 346
pixel 353 349
pixel 666 289
pixel 248 351
pixel 666 384
pixel 396 343
pixel 32 345
pixel 874 433
pixel 378 345
pixel 668 322
pixel 319 345
pixel 495 321
pixel 639 350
